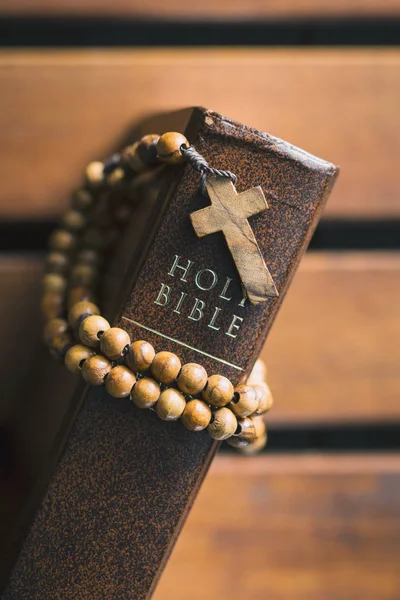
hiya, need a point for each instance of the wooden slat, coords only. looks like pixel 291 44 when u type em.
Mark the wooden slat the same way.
pixel 333 354
pixel 179 9
pixel 59 110
pixel 291 528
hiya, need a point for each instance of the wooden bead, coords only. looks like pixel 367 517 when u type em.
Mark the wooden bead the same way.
pixel 258 373
pixel 140 356
pixel 255 446
pixel 83 275
pixel 120 381
pixel 245 433
pixel 130 156
pixel 60 344
pixel 260 439
pixel 76 356
pixel 95 369
pixel 116 177
pixel 62 240
pixel 113 342
pixel 82 200
pixel 88 257
pixel 170 405
pixel 192 379
pixel 219 391
pixel 91 330
pixel 223 424
pixel 57 262
pixel 54 282
pixel 147 148
pixel 52 305
pixel 80 311
pixel 165 367
pixel 196 416
pixel 94 173
pixel 80 294
pixel 145 393
pixel 73 220
pixel 264 397
pixel 245 401
pixel 169 147
pixel 53 328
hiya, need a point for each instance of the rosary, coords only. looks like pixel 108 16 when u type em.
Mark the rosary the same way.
pixel 77 334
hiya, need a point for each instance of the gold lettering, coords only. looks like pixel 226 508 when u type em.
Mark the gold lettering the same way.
pixel 233 326
pixel 176 265
pixel 163 295
pixel 177 310
pixel 226 286
pixel 197 310
pixel 211 324
pixel 213 282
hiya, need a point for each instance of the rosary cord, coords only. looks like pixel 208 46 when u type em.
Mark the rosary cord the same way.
pixel 199 163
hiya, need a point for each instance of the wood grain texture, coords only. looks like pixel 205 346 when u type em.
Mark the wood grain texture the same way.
pixel 59 110
pixel 178 9
pixel 332 355
pixel 229 213
pixel 291 528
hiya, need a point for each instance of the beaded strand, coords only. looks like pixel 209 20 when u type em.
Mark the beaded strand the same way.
pixel 105 355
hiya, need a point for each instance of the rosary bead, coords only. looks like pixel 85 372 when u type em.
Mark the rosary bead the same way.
pixel 147 148
pixel 60 344
pixel 53 328
pixel 165 367
pixel 73 220
pixel 76 356
pixel 53 282
pixel 88 257
pixel 260 440
pixel 82 200
pixel 192 379
pixel 120 381
pixel 80 294
pixel 246 433
pixel 95 369
pixel 57 262
pixel 219 391
pixel 94 173
pixel 130 155
pixel 170 405
pixel 169 147
pixel 91 330
pixel 113 342
pixel 223 424
pixel 62 240
pixel 52 305
pixel 196 416
pixel 80 311
pixel 258 373
pixel 245 401
pixel 145 393
pixel 116 177
pixel 264 398
pixel 140 356
pixel 83 275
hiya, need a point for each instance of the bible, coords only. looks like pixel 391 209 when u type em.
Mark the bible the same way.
pixel 198 275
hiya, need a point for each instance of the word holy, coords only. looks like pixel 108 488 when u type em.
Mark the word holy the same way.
pixel 194 308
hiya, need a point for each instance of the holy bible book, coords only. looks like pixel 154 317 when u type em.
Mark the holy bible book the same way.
pixel 122 481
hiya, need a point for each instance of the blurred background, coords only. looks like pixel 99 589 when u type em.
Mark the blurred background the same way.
pixel 317 515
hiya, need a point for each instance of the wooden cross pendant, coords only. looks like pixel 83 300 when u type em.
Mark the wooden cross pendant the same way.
pixel 229 213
